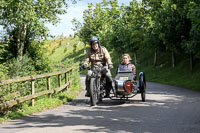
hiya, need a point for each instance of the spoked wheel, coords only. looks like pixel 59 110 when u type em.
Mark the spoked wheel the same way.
pixel 142 86
pixel 93 92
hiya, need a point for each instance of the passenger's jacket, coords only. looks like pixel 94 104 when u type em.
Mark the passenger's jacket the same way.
pixel 101 56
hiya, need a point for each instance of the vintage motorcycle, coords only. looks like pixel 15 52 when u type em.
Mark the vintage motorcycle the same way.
pixel 124 85
pixel 97 86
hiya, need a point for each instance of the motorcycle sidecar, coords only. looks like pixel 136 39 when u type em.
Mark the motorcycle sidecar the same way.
pixel 125 85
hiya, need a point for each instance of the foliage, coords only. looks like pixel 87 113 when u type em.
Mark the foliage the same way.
pixel 191 45
pixel 15 14
pixel 3 71
pixel 21 68
pixel 118 27
pixel 37 54
pixel 162 25
pixel 25 20
pixel 24 32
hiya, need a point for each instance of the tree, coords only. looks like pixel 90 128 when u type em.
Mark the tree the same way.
pixel 158 25
pixel 173 26
pixel 135 20
pixel 152 28
pixel 118 27
pixel 191 44
pixel 28 17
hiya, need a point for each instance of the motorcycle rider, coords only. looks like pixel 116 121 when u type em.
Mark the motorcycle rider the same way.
pixel 98 55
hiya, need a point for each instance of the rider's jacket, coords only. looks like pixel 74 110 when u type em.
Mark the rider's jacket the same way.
pixel 101 56
pixel 127 67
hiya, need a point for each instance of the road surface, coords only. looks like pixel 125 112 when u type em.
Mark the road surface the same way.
pixel 168 109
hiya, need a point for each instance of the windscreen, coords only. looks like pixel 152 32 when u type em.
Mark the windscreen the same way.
pixel 125 68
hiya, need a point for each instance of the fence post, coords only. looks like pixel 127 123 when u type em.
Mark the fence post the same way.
pixel 59 80
pixel 71 73
pixel 49 85
pixel 66 79
pixel 33 91
pixel 70 77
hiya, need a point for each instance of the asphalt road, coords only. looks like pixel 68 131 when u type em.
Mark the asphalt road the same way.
pixel 167 109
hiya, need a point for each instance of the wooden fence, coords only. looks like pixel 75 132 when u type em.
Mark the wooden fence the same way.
pixel 68 79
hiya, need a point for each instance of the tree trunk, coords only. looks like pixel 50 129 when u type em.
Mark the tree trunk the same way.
pixel 84 48
pixel 173 59
pixel 21 41
pixel 18 42
pixel 135 58
pixel 191 62
pixel 20 50
pixel 155 58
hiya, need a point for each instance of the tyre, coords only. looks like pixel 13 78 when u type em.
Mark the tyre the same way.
pixel 93 92
pixel 142 86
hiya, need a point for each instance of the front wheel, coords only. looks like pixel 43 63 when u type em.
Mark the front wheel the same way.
pixel 93 92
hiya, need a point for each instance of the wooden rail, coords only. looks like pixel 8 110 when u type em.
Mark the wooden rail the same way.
pixel 68 79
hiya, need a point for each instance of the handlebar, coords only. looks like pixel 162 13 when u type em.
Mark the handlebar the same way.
pixel 92 67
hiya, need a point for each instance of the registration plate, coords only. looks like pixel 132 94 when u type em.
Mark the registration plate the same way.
pixel 123 78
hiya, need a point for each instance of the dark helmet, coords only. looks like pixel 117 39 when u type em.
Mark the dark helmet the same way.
pixel 94 39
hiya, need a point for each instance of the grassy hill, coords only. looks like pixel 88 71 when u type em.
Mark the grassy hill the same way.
pixel 68 53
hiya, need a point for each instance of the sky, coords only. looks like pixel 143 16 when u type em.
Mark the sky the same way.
pixel 74 11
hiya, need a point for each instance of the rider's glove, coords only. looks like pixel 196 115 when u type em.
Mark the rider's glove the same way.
pixel 110 66
pixel 85 66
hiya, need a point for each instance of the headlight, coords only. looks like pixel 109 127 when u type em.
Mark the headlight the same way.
pixel 128 86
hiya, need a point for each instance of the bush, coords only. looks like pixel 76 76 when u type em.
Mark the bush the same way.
pixel 37 54
pixel 3 71
pixel 21 68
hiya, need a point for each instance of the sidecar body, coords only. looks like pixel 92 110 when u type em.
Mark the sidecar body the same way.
pixel 126 86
